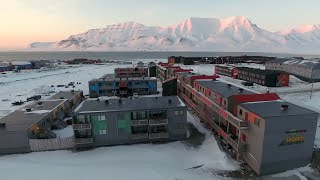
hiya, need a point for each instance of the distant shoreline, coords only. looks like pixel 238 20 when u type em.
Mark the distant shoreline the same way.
pixel 125 55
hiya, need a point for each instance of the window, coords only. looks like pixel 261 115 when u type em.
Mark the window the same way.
pixel 257 122
pixel 240 112
pixel 178 113
pixel 101 118
pixel 180 126
pixel 102 132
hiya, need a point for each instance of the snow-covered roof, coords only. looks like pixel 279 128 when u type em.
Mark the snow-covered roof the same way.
pixel 21 63
pixel 309 63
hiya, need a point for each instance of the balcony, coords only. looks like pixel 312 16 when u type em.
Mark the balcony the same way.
pixel 123 92
pixel 79 141
pixel 159 135
pixel 139 122
pixel 156 122
pixel 140 136
pixel 239 147
pixel 82 126
pixel 238 122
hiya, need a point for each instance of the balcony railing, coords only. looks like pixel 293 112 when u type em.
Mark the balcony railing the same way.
pixel 82 126
pixel 158 121
pixel 139 122
pixel 140 136
pixel 84 140
pixel 158 135
pixel 238 122
pixel 231 118
pixel 123 92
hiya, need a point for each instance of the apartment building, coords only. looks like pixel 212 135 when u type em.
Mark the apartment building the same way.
pixel 131 72
pixel 109 85
pixel 269 134
pixel 34 121
pixel 306 70
pixel 126 121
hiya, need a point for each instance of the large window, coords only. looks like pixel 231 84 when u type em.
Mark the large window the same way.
pixel 139 115
pixel 178 113
pixel 157 114
pixel 257 122
pixel 82 119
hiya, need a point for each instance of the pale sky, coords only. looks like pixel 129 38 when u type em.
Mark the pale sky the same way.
pixel 26 21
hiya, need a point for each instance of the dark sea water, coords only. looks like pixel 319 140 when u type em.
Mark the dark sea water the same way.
pixel 11 56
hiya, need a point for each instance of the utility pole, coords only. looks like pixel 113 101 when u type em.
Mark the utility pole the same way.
pixel 311 83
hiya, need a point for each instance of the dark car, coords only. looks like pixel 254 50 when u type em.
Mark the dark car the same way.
pixel 17 103
pixel 246 83
pixel 34 98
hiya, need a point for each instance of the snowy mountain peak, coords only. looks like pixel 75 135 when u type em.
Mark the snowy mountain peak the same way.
pixel 236 33
pixel 301 29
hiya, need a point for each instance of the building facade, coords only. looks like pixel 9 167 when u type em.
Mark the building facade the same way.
pixel 306 70
pixel 109 85
pixel 131 72
pixel 264 131
pixel 269 78
pixel 127 121
pixel 33 121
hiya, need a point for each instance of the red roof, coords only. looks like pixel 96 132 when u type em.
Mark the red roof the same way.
pixel 256 97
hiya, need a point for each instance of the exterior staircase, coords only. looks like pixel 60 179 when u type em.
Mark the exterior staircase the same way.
pixel 50 134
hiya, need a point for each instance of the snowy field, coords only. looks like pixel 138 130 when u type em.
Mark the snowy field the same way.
pixel 144 161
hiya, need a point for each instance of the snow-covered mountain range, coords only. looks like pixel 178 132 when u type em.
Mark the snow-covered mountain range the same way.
pixel 194 34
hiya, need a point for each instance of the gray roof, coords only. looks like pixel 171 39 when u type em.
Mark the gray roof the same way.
pixel 222 88
pixel 112 77
pixel 141 103
pixel 22 120
pixel 309 63
pixel 273 108
pixel 65 95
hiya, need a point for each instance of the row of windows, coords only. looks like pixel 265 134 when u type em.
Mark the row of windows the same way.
pixel 178 113
pixel 252 79
pixel 116 84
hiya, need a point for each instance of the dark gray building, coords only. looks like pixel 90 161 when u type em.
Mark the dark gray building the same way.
pixel 74 98
pixel 30 122
pixel 277 139
pixel 126 121
pixel 35 121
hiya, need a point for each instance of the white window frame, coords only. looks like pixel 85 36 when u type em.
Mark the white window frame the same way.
pixel 102 119
pixel 102 131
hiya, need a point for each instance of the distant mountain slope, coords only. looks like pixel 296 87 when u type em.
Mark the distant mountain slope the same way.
pixel 196 34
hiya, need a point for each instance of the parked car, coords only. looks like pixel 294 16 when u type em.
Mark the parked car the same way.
pixel 17 103
pixel 135 95
pixel 34 98
pixel 246 83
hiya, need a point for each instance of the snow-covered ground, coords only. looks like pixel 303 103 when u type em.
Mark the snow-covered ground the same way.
pixel 65 132
pixel 143 161
pixel 135 162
